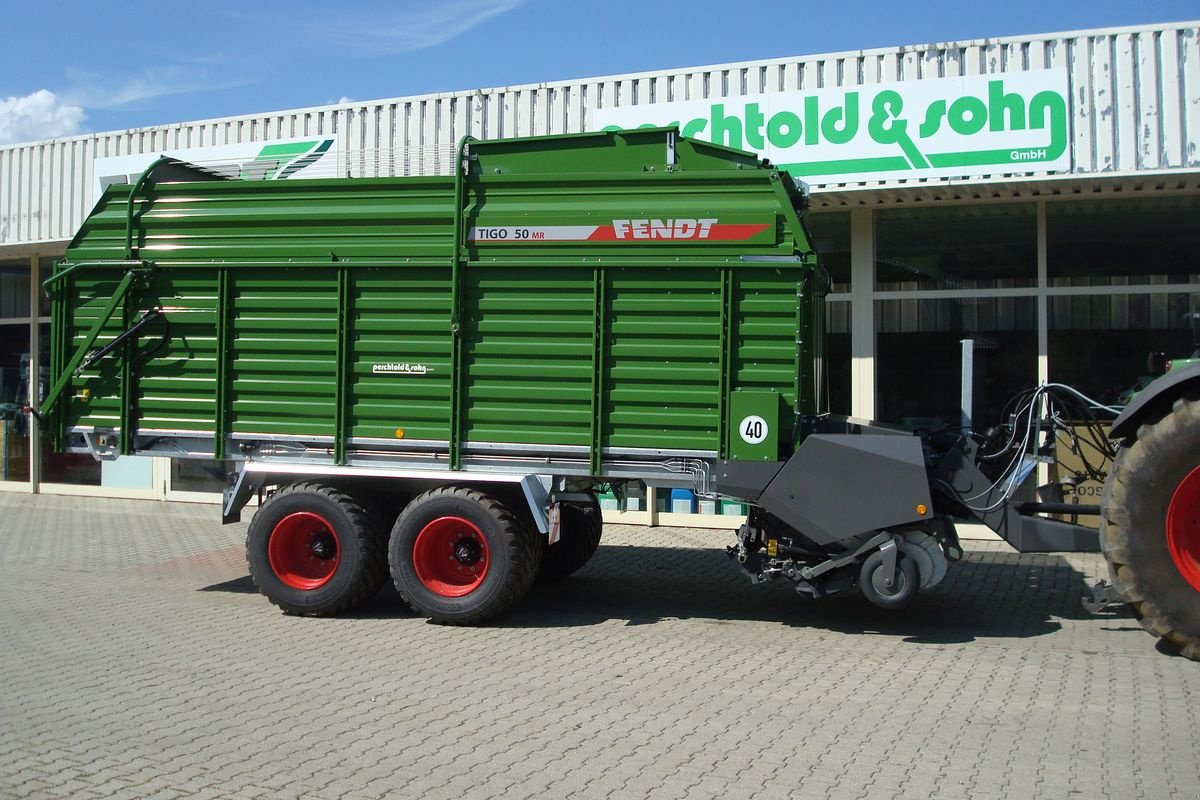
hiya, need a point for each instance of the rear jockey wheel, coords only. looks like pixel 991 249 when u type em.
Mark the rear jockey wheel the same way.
pixel 313 550
pixel 874 581
pixel 460 557
pixel 1150 526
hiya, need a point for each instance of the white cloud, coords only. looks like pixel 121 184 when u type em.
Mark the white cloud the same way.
pixel 41 115
pixel 410 28
pixel 92 90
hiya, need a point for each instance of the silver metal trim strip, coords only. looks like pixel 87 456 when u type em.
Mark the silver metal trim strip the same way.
pixel 399 444
pixel 640 452
pixel 282 468
pixel 278 437
pixel 515 447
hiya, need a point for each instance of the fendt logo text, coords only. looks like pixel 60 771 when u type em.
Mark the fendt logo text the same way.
pixel 662 229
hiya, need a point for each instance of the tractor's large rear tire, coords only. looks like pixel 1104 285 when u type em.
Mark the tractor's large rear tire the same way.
pixel 313 550
pixel 1150 528
pixel 578 541
pixel 460 557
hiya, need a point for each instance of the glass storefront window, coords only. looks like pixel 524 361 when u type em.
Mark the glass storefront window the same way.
pixel 72 468
pixel 14 394
pixel 200 475
pixel 1126 242
pixel 837 342
pixel 831 236
pixel 964 247
pixel 918 355
pixel 1100 343
pixel 14 290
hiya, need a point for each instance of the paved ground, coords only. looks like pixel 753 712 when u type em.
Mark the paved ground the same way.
pixel 136 661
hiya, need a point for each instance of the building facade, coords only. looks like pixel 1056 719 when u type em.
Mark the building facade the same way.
pixel 1036 196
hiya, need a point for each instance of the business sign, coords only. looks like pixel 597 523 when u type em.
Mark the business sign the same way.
pixel 275 160
pixel 940 127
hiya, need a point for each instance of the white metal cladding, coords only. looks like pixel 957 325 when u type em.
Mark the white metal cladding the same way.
pixel 1135 108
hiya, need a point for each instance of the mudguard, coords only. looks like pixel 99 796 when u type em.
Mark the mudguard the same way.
pixel 1155 399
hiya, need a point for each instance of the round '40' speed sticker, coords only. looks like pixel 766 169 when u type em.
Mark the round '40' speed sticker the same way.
pixel 753 429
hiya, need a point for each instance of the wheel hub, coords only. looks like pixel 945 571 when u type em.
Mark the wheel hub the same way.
pixel 884 583
pixel 323 546
pixel 467 551
pixel 303 550
pixel 451 556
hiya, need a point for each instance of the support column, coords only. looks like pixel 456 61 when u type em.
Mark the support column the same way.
pixel 862 313
pixel 35 372
pixel 1043 312
pixel 1043 323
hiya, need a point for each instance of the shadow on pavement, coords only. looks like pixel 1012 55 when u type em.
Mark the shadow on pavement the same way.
pixel 987 594
pixel 242 585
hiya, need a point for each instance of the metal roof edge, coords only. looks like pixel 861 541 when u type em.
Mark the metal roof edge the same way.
pixel 1026 187
pixel 558 84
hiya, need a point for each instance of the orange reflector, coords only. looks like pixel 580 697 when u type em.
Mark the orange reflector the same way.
pixel 399 433
pixel 921 509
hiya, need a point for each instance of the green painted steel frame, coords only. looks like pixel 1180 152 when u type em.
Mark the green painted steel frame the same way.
pixel 106 312
pixel 727 358
pixel 130 246
pixel 59 322
pixel 808 359
pixel 220 420
pixel 599 338
pixel 457 262
pixel 342 367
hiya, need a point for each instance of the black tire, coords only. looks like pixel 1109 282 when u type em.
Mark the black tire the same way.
pixel 290 534
pixel 903 590
pixel 578 541
pixel 1147 475
pixel 460 557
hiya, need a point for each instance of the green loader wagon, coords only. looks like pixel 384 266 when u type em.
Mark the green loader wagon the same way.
pixel 439 374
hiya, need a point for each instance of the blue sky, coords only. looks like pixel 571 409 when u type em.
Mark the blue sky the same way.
pixel 72 67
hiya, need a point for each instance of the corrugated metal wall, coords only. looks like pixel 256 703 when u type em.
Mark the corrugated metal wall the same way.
pixel 1135 101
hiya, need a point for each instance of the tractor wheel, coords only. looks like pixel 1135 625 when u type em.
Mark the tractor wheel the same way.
pixel 577 543
pixel 314 550
pixel 460 557
pixel 905 583
pixel 1150 527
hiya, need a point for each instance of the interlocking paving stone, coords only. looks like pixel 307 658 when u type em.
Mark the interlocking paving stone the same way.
pixel 137 660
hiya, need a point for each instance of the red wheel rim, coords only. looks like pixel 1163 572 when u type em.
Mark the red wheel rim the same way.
pixel 451 557
pixel 1183 528
pixel 304 550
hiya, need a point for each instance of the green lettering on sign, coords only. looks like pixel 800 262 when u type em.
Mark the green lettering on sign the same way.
pixel 942 126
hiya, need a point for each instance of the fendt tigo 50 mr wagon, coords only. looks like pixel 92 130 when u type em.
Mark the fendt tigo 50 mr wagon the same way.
pixel 438 374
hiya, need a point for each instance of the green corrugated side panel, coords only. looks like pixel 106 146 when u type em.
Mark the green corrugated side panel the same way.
pixel 284 351
pixel 177 387
pixel 102 381
pixel 663 358
pixel 400 317
pixel 765 309
pixel 528 308
pixel 368 218
pixel 739 198
pixel 528 356
pixel 644 150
